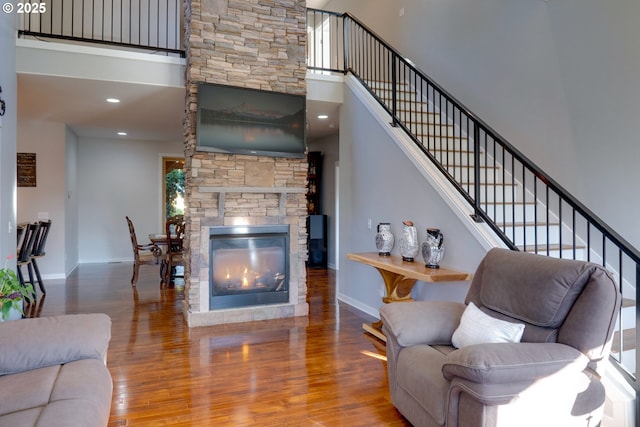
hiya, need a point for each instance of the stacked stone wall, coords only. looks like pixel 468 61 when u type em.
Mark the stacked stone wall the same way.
pixel 259 44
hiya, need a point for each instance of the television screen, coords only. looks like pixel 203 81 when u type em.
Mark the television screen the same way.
pixel 250 121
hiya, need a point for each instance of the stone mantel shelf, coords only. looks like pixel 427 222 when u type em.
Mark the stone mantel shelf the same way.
pixel 223 191
pixel 252 189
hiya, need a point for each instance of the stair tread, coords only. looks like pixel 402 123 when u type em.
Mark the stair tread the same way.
pixel 527 224
pixel 400 83
pixel 398 90
pixel 628 340
pixel 406 111
pixel 517 203
pixel 550 247
pixel 497 184
pixel 447 165
pixel 628 302
pixel 461 138
pixel 455 150
pixel 413 101
pixel 436 125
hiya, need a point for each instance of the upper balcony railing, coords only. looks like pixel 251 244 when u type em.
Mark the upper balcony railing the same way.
pixel 149 25
pixel 522 204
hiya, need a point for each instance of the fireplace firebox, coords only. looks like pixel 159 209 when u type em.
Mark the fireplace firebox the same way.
pixel 248 265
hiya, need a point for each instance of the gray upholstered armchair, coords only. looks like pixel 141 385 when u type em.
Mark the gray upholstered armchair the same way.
pixel 545 374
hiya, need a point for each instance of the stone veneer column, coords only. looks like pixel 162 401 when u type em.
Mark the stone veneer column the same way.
pixel 258 44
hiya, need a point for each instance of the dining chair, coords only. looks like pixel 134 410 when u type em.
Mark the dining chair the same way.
pixel 142 254
pixel 38 251
pixel 29 235
pixel 175 250
pixel 19 233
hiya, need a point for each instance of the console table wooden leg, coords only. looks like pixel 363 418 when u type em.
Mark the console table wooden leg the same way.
pixel 397 289
pixel 375 329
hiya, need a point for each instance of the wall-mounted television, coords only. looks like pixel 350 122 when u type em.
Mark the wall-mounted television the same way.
pixel 250 121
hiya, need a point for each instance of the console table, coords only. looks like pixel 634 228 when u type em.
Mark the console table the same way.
pixel 399 277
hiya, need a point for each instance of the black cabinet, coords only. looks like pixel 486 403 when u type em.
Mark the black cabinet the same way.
pixel 317 244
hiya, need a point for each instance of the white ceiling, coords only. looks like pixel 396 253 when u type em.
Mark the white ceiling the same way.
pixel 146 112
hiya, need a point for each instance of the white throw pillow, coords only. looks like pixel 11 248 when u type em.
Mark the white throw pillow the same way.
pixel 476 327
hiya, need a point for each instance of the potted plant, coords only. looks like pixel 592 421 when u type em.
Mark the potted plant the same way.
pixel 12 293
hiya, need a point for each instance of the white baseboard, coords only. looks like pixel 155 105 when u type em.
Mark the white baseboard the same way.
pixel 54 276
pixel 105 261
pixel 358 305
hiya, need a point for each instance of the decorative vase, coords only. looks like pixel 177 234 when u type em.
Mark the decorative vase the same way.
pixel 433 248
pixel 409 242
pixel 384 239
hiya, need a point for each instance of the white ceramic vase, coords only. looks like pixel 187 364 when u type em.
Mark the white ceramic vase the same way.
pixel 433 248
pixel 409 242
pixel 384 239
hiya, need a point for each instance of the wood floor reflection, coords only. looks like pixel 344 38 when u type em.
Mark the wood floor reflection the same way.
pixel 320 370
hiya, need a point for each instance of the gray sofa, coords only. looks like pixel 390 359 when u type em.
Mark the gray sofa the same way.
pixel 53 371
pixel 550 376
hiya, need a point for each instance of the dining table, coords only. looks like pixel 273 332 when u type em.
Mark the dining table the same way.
pixel 160 240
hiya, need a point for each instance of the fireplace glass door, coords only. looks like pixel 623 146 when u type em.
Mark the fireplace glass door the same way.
pixel 248 265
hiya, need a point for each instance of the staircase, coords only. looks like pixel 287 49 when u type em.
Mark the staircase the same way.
pixel 525 208
pixel 526 219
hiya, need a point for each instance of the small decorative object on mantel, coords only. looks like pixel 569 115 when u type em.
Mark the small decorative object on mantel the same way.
pixel 12 294
pixel 433 248
pixel 384 239
pixel 409 242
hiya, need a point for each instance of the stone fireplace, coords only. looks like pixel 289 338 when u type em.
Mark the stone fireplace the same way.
pixel 256 44
pixel 232 191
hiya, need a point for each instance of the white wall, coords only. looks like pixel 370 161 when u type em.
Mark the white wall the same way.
pixel 8 136
pixel 47 199
pixel 87 186
pixel 378 182
pixel 118 178
pixel 558 79
pixel 71 202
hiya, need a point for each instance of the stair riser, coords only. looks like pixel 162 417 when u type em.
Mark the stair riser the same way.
pixel 487 175
pixel 402 94
pixel 456 158
pixel 413 116
pixel 445 143
pixel 509 215
pixel 429 130
pixel 385 85
pixel 499 194
pixel 498 201
pixel 527 235
pixel 555 253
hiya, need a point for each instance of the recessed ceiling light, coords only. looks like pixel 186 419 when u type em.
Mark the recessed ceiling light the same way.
pixel 113 100
pixel 122 133
pixel 323 116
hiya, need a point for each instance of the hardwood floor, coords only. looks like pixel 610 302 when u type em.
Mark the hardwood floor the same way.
pixel 320 370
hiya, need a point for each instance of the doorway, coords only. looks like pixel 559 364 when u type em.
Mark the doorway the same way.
pixel 173 187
